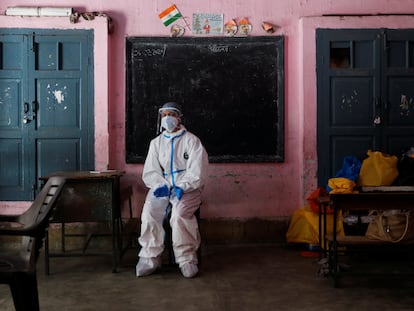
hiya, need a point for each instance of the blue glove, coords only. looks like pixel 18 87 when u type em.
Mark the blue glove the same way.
pixel 178 192
pixel 162 191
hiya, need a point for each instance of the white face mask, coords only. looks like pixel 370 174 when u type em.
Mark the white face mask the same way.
pixel 169 123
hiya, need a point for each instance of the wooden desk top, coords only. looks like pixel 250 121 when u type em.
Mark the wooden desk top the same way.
pixel 373 200
pixel 78 175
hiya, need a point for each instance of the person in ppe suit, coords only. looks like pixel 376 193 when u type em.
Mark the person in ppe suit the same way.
pixel 175 170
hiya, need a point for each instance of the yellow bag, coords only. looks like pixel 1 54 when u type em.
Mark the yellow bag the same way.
pixel 304 226
pixel 341 185
pixel 379 169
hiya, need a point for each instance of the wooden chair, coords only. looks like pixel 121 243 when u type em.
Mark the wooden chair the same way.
pixel 18 266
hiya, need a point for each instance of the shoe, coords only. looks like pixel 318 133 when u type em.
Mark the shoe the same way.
pixel 189 270
pixel 147 266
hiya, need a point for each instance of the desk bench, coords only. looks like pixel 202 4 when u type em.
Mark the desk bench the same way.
pixel 89 197
pixel 360 202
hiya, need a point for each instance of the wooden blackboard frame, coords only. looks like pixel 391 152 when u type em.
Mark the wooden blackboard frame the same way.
pixel 231 90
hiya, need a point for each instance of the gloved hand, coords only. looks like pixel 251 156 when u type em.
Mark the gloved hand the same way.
pixel 162 191
pixel 178 192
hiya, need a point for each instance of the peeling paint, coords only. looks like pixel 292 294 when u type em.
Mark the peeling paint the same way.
pixel 59 96
pixel 405 104
pixel 5 95
pixel 349 100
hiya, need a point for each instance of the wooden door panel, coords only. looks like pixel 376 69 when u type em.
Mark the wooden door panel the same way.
pixel 347 97
pixel 12 57
pixel 11 179
pixel 398 133
pixel 46 79
pixel 65 124
pixel 365 94
pixel 398 91
pixel 10 113
pixel 400 103
pixel 60 54
pixel 59 105
pixel 60 154
pixel 352 102
pixel 14 180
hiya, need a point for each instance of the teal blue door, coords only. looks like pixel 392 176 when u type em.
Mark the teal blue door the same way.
pixel 46 107
pixel 365 94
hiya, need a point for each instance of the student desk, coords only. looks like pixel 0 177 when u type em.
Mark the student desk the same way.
pixel 380 198
pixel 88 196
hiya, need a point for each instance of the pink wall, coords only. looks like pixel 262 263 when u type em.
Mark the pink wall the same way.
pixel 233 190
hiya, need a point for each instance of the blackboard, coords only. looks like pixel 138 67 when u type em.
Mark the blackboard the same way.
pixel 231 91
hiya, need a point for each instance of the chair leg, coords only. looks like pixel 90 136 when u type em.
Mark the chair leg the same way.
pixel 168 235
pixel 197 215
pixel 24 290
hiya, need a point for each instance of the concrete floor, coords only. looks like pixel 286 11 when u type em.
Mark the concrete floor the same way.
pixel 231 278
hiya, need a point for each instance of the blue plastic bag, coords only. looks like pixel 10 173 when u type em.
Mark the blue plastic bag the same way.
pixel 350 169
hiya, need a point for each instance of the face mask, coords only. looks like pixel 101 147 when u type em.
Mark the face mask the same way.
pixel 169 123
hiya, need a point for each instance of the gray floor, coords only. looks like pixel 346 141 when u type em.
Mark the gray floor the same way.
pixel 244 277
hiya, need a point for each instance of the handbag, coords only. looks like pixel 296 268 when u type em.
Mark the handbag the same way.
pixel 391 226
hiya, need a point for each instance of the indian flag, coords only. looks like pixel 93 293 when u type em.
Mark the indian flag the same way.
pixel 170 15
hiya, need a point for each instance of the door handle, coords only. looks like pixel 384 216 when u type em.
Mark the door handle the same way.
pixel 29 117
pixel 26 119
pixel 34 109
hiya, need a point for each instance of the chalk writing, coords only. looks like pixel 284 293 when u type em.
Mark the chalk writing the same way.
pixel 218 48
pixel 148 52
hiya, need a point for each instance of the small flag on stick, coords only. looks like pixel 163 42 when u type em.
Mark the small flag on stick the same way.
pixel 170 15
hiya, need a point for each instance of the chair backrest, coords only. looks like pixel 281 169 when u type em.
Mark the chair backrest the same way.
pixel 35 219
pixel 37 215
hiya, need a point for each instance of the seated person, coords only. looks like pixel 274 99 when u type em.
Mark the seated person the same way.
pixel 175 170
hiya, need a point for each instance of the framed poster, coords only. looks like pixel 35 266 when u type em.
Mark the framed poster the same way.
pixel 207 24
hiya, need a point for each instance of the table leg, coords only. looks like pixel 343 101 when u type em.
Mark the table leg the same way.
pixel 47 266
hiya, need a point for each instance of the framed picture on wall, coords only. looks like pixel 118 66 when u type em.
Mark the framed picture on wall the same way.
pixel 207 24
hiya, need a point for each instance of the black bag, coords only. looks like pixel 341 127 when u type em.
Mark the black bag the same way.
pixel 405 171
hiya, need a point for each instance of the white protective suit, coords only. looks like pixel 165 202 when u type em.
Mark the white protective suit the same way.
pixel 174 159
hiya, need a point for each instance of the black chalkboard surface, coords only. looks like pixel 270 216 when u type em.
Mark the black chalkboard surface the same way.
pixel 231 91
